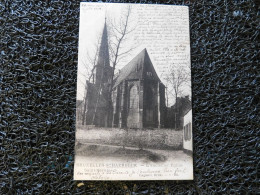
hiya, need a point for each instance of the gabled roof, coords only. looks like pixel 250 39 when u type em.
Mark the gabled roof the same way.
pixel 140 67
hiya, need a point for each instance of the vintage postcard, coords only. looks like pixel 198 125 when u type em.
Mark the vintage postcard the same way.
pixel 133 112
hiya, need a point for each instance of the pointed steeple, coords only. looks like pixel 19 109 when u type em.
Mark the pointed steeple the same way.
pixel 103 68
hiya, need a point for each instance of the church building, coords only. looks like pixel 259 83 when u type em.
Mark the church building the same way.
pixel 96 98
pixel 137 96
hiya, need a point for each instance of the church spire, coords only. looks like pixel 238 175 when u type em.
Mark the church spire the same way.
pixel 103 68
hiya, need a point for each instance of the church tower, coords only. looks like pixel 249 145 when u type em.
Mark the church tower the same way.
pixel 103 68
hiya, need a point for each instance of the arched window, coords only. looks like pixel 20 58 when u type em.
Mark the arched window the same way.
pixel 133 98
pixel 133 108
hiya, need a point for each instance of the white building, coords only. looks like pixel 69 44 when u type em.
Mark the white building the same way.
pixel 187 132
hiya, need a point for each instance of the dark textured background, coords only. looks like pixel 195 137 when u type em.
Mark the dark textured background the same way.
pixel 38 70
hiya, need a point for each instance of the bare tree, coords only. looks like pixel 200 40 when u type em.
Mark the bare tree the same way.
pixel 177 78
pixel 90 63
pixel 119 32
pixel 119 47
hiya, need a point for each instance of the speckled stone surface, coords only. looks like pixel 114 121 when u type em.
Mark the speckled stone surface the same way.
pixel 38 70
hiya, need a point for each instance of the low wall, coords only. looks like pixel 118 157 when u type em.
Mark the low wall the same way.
pixel 142 138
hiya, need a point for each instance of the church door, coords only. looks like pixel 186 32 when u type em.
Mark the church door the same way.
pixel 133 108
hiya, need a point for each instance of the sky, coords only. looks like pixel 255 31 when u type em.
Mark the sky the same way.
pixel 167 27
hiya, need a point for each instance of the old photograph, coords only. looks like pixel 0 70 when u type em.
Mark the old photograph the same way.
pixel 133 109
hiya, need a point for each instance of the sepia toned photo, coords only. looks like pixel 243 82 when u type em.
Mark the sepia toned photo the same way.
pixel 133 109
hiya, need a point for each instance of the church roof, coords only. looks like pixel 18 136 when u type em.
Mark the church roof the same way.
pixel 140 67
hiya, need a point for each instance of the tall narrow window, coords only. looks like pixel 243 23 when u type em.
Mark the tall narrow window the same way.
pixel 133 108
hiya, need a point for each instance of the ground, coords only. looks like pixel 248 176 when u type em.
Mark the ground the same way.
pixel 128 154
pixel 106 162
